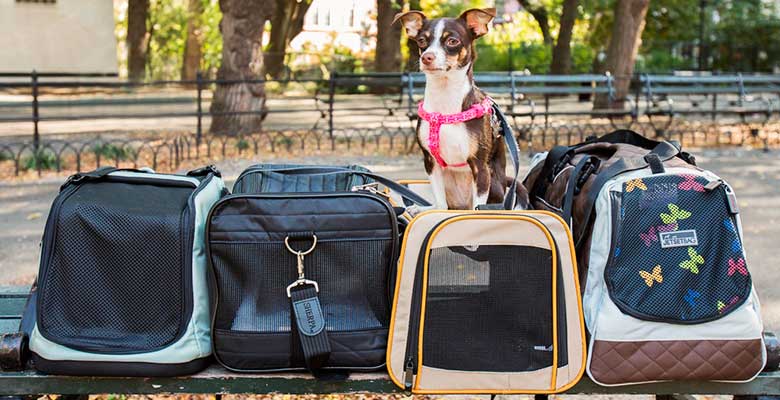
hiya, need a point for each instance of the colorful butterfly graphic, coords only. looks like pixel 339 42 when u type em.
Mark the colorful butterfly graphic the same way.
pixel 689 183
pixel 737 266
pixel 635 184
pixel 617 252
pixel 692 264
pixel 675 213
pixel 650 278
pixel 723 306
pixel 666 228
pixel 691 297
pixel 729 225
pixel 649 237
pixel 736 246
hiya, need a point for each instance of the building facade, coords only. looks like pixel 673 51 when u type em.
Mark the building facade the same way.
pixel 74 36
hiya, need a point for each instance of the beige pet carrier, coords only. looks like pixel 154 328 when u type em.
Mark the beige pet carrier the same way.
pixel 486 302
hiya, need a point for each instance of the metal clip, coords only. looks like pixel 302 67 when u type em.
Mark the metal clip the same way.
pixel 301 275
pixel 371 188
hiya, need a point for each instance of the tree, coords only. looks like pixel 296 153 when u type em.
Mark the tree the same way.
pixel 412 63
pixel 242 59
pixel 286 24
pixel 194 41
pixel 539 12
pixel 137 38
pixel 388 37
pixel 623 48
pixel 561 56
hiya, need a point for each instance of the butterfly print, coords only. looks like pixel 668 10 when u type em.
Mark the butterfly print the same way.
pixel 691 297
pixel 650 278
pixel 666 228
pixel 736 246
pixel 649 237
pixel 694 262
pixel 723 306
pixel 737 266
pixel 689 183
pixel 675 213
pixel 729 225
pixel 635 184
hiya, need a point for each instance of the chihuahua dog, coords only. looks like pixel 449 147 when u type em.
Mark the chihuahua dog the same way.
pixel 463 151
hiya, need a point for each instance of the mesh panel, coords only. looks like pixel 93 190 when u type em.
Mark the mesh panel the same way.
pixel 490 309
pixel 252 277
pixel 115 279
pixel 656 271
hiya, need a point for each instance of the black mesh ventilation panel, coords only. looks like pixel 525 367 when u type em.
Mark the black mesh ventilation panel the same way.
pixel 490 309
pixel 115 281
pixel 252 277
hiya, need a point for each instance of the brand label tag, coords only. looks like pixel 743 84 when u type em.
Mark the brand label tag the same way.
pixel 678 238
pixel 308 314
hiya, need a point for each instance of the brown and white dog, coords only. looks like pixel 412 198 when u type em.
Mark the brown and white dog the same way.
pixel 467 168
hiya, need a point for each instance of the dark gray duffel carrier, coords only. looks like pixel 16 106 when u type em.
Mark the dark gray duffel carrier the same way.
pixel 304 280
pixel 122 282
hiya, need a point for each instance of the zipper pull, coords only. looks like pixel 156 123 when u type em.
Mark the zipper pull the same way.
pixel 712 185
pixel 409 373
pixel 731 198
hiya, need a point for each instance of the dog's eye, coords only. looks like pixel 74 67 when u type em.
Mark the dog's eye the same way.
pixel 422 42
pixel 452 42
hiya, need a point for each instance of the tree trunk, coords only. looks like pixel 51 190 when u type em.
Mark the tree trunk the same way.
pixel 137 38
pixel 540 15
pixel 413 62
pixel 286 24
pixel 242 58
pixel 561 56
pixel 194 41
pixel 388 37
pixel 623 47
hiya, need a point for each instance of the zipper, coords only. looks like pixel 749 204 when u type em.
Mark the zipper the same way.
pixel 213 273
pixel 413 337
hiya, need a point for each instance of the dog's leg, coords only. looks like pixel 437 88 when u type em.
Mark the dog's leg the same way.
pixel 481 184
pixel 437 185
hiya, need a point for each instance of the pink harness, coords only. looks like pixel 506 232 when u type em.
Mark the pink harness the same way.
pixel 436 120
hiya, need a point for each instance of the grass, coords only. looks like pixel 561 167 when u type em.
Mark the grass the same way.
pixel 41 159
pixel 113 152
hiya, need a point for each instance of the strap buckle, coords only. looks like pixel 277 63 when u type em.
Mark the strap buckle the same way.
pixel 372 187
pixel 301 274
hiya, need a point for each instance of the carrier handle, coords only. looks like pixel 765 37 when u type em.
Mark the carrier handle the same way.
pixel 100 173
pixel 510 199
pixel 389 183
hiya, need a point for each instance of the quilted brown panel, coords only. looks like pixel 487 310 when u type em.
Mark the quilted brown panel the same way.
pixel 627 362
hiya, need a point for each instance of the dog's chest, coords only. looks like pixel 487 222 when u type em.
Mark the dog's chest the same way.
pixel 455 144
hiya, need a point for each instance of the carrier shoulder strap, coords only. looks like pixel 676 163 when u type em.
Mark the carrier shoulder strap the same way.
pixel 577 178
pixel 510 198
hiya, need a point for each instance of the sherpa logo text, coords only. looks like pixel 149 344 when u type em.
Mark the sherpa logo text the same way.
pixel 678 238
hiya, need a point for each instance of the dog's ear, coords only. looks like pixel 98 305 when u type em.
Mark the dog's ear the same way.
pixel 477 19
pixel 412 21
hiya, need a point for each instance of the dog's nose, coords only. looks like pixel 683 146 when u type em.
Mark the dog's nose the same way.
pixel 427 58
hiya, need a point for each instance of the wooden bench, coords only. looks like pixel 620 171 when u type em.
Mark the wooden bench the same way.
pixel 751 98
pixel 220 381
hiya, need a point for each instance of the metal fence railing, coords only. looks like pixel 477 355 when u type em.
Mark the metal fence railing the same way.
pixel 366 112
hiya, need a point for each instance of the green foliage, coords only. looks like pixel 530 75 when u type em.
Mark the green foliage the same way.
pixel 110 151
pixel 242 144
pixel 212 38
pixel 42 159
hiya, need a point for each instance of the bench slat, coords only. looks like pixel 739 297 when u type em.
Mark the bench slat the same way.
pixel 9 325
pixel 12 307
pixel 220 381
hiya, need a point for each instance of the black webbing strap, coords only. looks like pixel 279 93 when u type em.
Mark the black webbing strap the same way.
pixel 310 325
pixel 575 181
pixel 97 174
pixel 510 198
pixel 554 157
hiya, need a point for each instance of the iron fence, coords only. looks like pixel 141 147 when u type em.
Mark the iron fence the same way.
pixel 546 110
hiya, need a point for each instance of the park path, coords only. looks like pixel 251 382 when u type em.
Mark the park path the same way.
pixel 754 175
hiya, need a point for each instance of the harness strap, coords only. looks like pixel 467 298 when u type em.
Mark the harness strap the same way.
pixel 436 120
